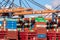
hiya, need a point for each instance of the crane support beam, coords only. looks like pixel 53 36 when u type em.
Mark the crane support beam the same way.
pixel 5 10
pixel 35 12
pixel 48 18
pixel 26 11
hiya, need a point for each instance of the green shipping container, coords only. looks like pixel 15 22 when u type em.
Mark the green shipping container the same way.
pixel 40 19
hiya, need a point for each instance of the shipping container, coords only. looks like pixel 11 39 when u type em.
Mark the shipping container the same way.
pixel 26 30
pixel 32 36
pixel 51 35
pixel 3 35
pixel 1 22
pixel 40 19
pixel 39 26
pixel 58 30
pixel 11 24
pixel 12 35
pixel 23 35
pixel 42 39
pixel 26 19
pixel 58 36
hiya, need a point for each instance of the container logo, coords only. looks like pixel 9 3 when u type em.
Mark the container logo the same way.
pixel 41 35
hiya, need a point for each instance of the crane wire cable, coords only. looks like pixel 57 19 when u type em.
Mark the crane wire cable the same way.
pixel 39 5
pixel 6 3
pixel 27 3
pixel 20 2
pixel 24 4
pixel 13 4
pixel 54 9
pixel 57 7
pixel 1 3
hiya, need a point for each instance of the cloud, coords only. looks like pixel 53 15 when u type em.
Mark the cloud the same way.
pixel 55 3
pixel 48 6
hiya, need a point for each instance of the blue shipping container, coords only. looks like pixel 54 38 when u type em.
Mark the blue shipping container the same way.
pixel 11 24
pixel 1 23
pixel 41 35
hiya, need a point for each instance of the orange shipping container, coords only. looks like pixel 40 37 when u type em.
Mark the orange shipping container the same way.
pixel 40 27
pixel 41 30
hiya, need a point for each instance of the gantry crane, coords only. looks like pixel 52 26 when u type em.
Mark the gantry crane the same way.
pixel 25 11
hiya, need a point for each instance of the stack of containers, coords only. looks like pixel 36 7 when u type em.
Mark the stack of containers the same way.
pixel 2 29
pixel 58 25
pixel 58 29
pixel 26 24
pixel 32 22
pixel 51 35
pixel 32 36
pixel 40 28
pixel 1 24
pixel 23 36
pixel 11 25
pixel 20 24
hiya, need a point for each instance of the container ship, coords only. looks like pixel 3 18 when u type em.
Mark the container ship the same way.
pixel 15 26
pixel 29 29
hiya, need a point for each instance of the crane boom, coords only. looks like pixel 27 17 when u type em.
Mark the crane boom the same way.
pixel 5 10
pixel 26 11
pixel 36 12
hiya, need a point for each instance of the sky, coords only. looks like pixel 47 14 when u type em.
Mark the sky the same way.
pixel 51 4
pixel 48 3
pixel 42 2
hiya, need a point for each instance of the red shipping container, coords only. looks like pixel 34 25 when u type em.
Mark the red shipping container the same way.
pixel 40 28
pixel 12 35
pixel 32 36
pixel 23 35
pixel 3 34
pixel 51 35
pixel 42 39
pixel 58 36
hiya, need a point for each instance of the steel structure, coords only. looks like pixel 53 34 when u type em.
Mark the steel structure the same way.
pixel 19 10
